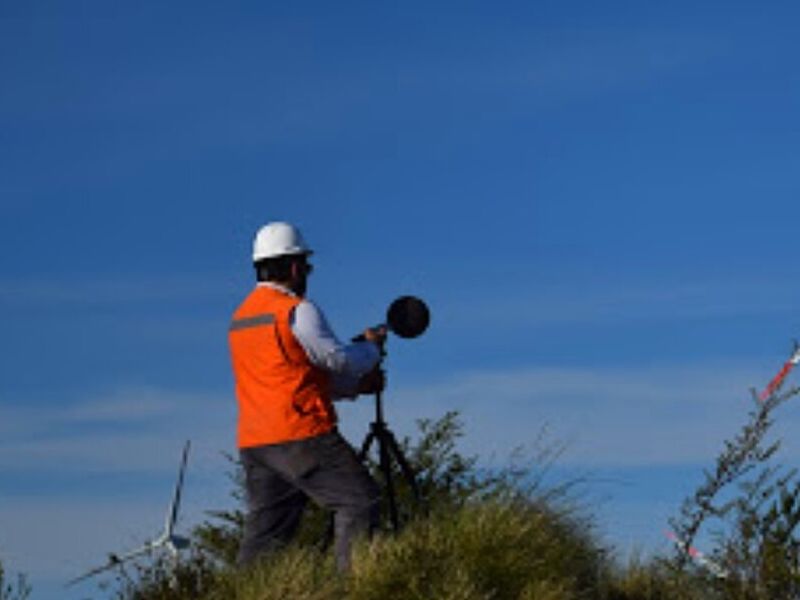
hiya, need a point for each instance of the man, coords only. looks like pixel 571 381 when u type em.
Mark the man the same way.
pixel 288 367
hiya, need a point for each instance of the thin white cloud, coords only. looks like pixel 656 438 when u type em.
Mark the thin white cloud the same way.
pixel 608 417
pixel 566 65
pixel 617 416
pixel 610 301
pixel 130 429
pixel 106 291
pixel 140 405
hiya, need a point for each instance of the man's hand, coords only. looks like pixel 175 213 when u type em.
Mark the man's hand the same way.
pixel 372 382
pixel 376 335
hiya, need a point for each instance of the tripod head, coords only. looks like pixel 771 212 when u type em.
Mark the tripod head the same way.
pixel 407 317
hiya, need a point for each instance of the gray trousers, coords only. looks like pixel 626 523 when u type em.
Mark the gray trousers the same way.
pixel 279 480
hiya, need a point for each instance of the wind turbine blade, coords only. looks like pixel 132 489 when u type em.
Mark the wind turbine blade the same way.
pixel 114 560
pixel 172 514
pixel 166 538
pixel 93 572
pixel 146 549
pixel 173 549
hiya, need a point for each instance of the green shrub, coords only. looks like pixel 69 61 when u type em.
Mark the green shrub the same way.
pixel 752 504
pixel 657 579
pixel 165 579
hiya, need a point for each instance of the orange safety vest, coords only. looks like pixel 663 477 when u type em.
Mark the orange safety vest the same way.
pixel 282 396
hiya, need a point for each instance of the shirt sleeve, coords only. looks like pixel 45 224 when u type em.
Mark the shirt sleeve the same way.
pixel 345 362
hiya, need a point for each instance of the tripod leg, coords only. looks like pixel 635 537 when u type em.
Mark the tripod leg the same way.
pixel 405 468
pixel 386 469
pixel 366 446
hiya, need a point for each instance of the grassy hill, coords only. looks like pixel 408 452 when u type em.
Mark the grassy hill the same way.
pixel 493 549
pixel 482 535
pixel 503 535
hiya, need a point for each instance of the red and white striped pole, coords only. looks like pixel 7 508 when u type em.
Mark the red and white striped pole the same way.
pixel 777 381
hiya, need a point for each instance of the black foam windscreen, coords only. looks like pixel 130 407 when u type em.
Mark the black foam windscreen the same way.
pixel 408 317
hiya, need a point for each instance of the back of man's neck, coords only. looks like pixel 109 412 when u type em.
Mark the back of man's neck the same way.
pixel 281 286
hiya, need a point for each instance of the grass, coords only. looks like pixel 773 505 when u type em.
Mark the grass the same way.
pixel 498 548
pixel 490 550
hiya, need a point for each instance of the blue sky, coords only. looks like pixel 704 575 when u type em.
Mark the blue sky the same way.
pixel 598 202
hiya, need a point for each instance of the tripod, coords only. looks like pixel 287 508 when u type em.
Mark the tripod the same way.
pixel 388 450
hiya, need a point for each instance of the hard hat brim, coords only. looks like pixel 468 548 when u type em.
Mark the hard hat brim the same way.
pixel 298 252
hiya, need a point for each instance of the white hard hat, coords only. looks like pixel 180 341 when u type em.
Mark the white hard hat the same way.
pixel 278 239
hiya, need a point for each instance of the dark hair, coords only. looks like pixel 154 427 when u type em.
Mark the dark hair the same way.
pixel 278 268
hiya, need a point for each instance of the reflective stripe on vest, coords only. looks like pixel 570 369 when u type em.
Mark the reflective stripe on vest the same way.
pixel 265 319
